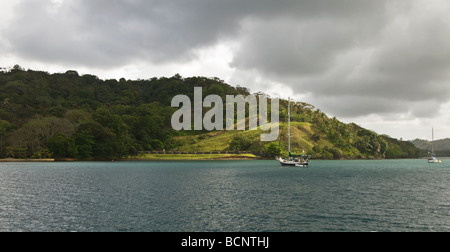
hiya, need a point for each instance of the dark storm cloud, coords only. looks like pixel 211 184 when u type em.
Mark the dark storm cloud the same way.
pixel 384 58
pixel 111 33
pixel 98 32
pixel 309 42
pixel 353 57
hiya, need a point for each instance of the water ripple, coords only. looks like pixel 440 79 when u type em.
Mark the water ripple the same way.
pixel 393 195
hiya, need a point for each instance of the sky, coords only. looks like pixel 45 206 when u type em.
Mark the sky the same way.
pixel 382 64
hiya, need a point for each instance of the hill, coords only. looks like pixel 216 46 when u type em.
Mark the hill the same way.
pixel 322 138
pixel 441 147
pixel 65 115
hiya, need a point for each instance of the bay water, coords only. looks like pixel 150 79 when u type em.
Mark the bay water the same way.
pixel 228 196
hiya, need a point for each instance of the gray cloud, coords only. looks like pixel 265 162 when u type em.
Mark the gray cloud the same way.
pixel 112 32
pixel 385 58
pixel 98 32
pixel 310 42
pixel 353 57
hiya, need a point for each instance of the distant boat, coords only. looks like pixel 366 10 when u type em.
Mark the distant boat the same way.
pixel 293 160
pixel 434 160
pixel 432 156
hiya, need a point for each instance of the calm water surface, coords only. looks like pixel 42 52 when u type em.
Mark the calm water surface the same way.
pixel 391 195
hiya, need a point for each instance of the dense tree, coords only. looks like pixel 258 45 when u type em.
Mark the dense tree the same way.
pixel 68 115
pixel 5 127
pixel 86 117
pixel 273 150
pixel 240 143
pixel 83 143
pixel 59 146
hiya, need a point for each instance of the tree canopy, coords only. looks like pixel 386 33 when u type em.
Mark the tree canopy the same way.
pixel 68 115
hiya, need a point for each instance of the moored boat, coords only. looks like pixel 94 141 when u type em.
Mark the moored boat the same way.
pixel 432 156
pixel 293 160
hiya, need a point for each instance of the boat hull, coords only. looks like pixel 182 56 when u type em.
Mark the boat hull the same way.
pixel 293 164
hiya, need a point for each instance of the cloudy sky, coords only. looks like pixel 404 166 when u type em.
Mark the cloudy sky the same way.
pixel 383 64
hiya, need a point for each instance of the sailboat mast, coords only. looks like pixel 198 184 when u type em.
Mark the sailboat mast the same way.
pixel 432 141
pixel 289 124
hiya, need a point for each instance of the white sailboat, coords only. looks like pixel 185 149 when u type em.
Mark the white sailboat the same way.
pixel 293 160
pixel 432 156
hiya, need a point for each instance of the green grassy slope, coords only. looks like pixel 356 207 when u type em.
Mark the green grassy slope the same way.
pixel 307 138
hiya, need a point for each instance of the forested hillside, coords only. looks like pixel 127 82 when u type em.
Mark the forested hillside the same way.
pixel 65 115
pixel 68 115
pixel 441 147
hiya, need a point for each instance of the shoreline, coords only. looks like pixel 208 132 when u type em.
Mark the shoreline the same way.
pixel 10 160
pixel 173 157
pixel 193 157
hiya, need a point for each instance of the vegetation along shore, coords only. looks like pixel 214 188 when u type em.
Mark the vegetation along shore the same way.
pixel 67 116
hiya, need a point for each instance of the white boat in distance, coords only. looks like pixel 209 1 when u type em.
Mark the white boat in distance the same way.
pixel 432 156
pixel 434 160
